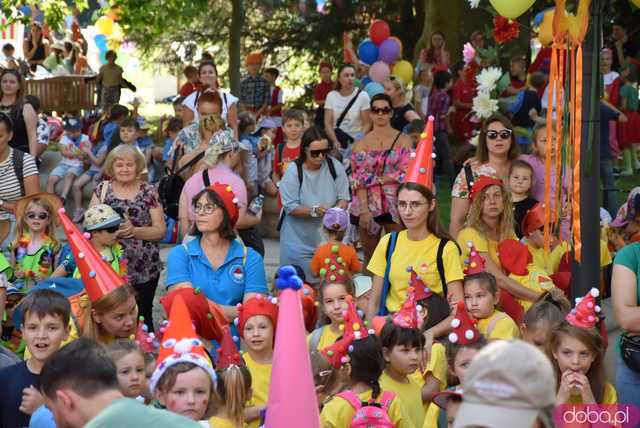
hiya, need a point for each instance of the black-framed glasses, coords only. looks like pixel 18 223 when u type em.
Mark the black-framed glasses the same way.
pixel 42 215
pixel 505 134
pixel 317 153
pixel 205 209
pixel 112 229
pixel 380 111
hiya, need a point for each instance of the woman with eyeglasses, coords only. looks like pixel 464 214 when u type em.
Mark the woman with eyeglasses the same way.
pixel 22 114
pixel 497 148
pixel 143 222
pixel 403 112
pixel 489 222
pixel 223 159
pixel 215 262
pixel 419 250
pixel 378 164
pixel 312 184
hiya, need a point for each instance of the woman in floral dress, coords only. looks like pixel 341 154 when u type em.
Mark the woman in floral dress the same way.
pixel 378 164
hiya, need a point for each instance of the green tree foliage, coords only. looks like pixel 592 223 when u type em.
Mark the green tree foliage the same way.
pixel 54 10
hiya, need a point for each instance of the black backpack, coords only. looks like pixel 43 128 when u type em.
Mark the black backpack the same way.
pixel 170 186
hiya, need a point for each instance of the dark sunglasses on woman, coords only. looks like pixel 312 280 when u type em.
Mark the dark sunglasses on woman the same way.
pixel 380 111
pixel 40 216
pixel 317 153
pixel 505 134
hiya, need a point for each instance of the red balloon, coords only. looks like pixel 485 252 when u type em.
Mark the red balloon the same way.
pixel 379 31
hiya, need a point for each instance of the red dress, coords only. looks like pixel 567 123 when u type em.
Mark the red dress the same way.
pixel 463 92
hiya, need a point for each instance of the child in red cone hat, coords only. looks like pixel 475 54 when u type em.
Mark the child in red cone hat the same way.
pixel 577 353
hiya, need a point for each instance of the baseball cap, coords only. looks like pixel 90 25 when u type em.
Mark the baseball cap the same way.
pixel 266 123
pixel 100 216
pixel 336 219
pixel 72 124
pixel 507 385
pixel 629 210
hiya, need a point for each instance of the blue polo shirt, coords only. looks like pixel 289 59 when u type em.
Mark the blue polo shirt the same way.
pixel 226 285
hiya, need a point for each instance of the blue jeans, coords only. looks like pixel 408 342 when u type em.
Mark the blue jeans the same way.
pixel 627 384
pixel 609 191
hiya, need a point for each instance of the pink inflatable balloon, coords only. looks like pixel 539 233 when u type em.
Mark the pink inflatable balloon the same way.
pixel 379 72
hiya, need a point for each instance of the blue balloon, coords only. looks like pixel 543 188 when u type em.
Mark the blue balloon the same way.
pixel 365 81
pixel 26 10
pixel 368 52
pixel 374 88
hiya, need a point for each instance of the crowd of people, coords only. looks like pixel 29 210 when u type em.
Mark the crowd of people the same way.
pixel 425 327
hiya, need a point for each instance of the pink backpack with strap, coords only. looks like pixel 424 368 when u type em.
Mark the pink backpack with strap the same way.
pixel 371 414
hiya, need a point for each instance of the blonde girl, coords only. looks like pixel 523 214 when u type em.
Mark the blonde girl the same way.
pixel 233 390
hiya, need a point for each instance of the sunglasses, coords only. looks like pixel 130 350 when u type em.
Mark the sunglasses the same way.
pixel 317 153
pixel 505 134
pixel 112 229
pixel 380 111
pixel 40 216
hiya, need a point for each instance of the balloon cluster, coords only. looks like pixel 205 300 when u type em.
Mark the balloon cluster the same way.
pixel 108 34
pixel 383 53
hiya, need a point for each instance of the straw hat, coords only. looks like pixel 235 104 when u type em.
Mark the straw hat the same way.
pixel 53 200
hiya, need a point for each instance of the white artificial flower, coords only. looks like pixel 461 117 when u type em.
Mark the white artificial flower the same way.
pixel 483 105
pixel 488 78
pixel 474 3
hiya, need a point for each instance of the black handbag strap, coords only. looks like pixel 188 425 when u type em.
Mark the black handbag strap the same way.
pixel 346 110
pixel 174 162
pixel 191 163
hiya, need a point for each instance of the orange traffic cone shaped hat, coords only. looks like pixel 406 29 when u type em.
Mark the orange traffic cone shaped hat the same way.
pixel 420 170
pixel 98 276
pixel 463 326
pixel 354 329
pixel 407 316
pixel 228 354
pixel 180 344
pixel 585 314
pixel 474 263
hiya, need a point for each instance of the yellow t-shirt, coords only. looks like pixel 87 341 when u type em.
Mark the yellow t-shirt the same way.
pixel 610 396
pixel 556 254
pixel 482 244
pixel 421 255
pixel 536 280
pixel 437 366
pixel 73 335
pixel 410 395
pixel 217 422
pixel 503 328
pixel 338 412
pixel 260 379
pixel 327 338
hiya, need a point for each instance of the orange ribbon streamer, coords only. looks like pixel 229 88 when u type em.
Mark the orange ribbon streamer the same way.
pixel 557 194
pixel 577 236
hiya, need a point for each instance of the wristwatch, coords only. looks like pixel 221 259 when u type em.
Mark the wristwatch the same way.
pixel 314 211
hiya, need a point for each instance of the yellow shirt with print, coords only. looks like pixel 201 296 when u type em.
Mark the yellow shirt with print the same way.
pixel 327 337
pixel 260 379
pixel 218 422
pixel 481 242
pixel 551 261
pixel 73 335
pixel 422 256
pixel 409 395
pixel 437 366
pixel 338 412
pixel 610 396
pixel 502 326
pixel 536 280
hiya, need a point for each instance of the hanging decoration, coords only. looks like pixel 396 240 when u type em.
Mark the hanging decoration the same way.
pixel 505 30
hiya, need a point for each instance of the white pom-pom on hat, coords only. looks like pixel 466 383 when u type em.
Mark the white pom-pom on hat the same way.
pixel 455 323
pixel 594 292
pixel 469 334
pixel 453 338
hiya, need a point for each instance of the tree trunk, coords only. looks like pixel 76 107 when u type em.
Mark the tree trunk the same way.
pixel 444 16
pixel 237 23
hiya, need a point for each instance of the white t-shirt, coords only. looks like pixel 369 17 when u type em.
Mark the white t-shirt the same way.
pixel 227 101
pixel 9 183
pixel 351 124
pixel 66 141
pixel 610 77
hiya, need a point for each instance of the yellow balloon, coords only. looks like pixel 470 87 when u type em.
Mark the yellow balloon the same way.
pixel 104 25
pixel 404 70
pixel 636 2
pixel 545 33
pixel 512 9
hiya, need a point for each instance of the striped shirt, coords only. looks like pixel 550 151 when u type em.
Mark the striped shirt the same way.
pixel 9 184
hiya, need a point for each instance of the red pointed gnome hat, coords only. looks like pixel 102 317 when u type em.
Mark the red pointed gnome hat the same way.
pixel 482 183
pixel 225 192
pixel 463 326
pixel 514 257
pixel 474 263
pixel 585 314
pixel 354 329
pixel 533 220
pixel 228 354
pixel 420 169
pixel 292 399
pixel 334 268
pixel 407 316
pixel 259 305
pixel 207 316
pixel 421 290
pixel 147 342
pixel 180 344
pixel 98 276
